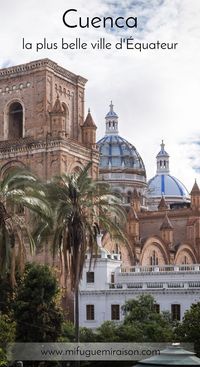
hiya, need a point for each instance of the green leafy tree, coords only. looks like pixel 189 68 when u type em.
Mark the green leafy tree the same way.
pixel 19 189
pixel 82 206
pixel 189 329
pixel 129 333
pixel 68 332
pixel 7 335
pixel 38 317
pixel 150 325
pixel 6 296
pixel 108 332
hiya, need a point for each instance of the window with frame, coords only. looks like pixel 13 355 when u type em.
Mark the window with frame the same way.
pixel 112 278
pixel 15 121
pixel 176 312
pixel 90 277
pixel 115 312
pixel 89 312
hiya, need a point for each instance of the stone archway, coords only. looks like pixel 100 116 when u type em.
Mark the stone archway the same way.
pixel 185 255
pixel 11 165
pixel 154 253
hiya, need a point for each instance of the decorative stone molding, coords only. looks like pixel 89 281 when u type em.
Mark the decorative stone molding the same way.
pixel 14 88
pixel 41 64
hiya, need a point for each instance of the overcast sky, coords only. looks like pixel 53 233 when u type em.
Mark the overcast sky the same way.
pixel 155 93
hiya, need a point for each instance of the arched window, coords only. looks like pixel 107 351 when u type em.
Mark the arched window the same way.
pixel 15 121
pixel 154 259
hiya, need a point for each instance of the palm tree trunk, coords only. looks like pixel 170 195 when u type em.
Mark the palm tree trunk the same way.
pixel 77 329
pixel 77 332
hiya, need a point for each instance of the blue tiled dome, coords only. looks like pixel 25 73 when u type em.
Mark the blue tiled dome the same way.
pixel 111 114
pixel 167 185
pixel 120 163
pixel 164 184
pixel 116 152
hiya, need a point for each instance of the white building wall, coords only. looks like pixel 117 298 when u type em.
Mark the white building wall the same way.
pixel 167 284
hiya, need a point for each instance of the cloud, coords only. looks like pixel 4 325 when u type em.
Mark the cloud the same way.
pixel 155 93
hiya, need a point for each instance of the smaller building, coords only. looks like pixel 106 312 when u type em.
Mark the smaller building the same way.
pixel 106 286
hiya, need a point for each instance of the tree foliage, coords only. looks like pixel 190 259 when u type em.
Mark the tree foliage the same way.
pixel 81 207
pixel 150 325
pixel 7 335
pixel 19 189
pixel 141 324
pixel 6 296
pixel 189 329
pixel 38 317
pixel 68 333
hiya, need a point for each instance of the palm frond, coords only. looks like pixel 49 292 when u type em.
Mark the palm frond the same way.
pixel 82 207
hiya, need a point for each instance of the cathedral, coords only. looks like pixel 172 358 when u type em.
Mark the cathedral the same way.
pixel 163 218
pixel 43 127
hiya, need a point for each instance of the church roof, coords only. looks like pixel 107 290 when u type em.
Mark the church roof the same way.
pixel 116 152
pixel 166 185
pixel 89 122
pixel 166 224
pixel 195 189
pixel 162 205
pixel 162 152
pixel 163 183
pixel 111 113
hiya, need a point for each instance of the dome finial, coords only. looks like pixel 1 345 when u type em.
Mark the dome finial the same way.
pixel 111 106
pixel 162 146
pixel 111 121
pixel 162 160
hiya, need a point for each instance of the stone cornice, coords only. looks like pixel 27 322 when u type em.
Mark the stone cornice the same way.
pixel 41 64
pixel 171 213
pixel 136 171
pixel 31 145
pixel 157 274
pixel 140 291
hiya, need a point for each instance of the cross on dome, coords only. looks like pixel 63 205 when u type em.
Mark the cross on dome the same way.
pixel 162 146
pixel 111 106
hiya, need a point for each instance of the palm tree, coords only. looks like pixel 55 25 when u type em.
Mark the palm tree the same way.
pixel 82 207
pixel 18 189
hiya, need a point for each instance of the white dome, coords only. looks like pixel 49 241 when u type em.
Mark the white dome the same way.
pixel 164 184
pixel 167 185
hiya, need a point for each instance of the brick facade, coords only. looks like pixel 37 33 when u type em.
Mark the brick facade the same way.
pixel 32 132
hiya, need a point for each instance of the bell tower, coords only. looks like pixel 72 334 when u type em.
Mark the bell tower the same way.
pixel 41 119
